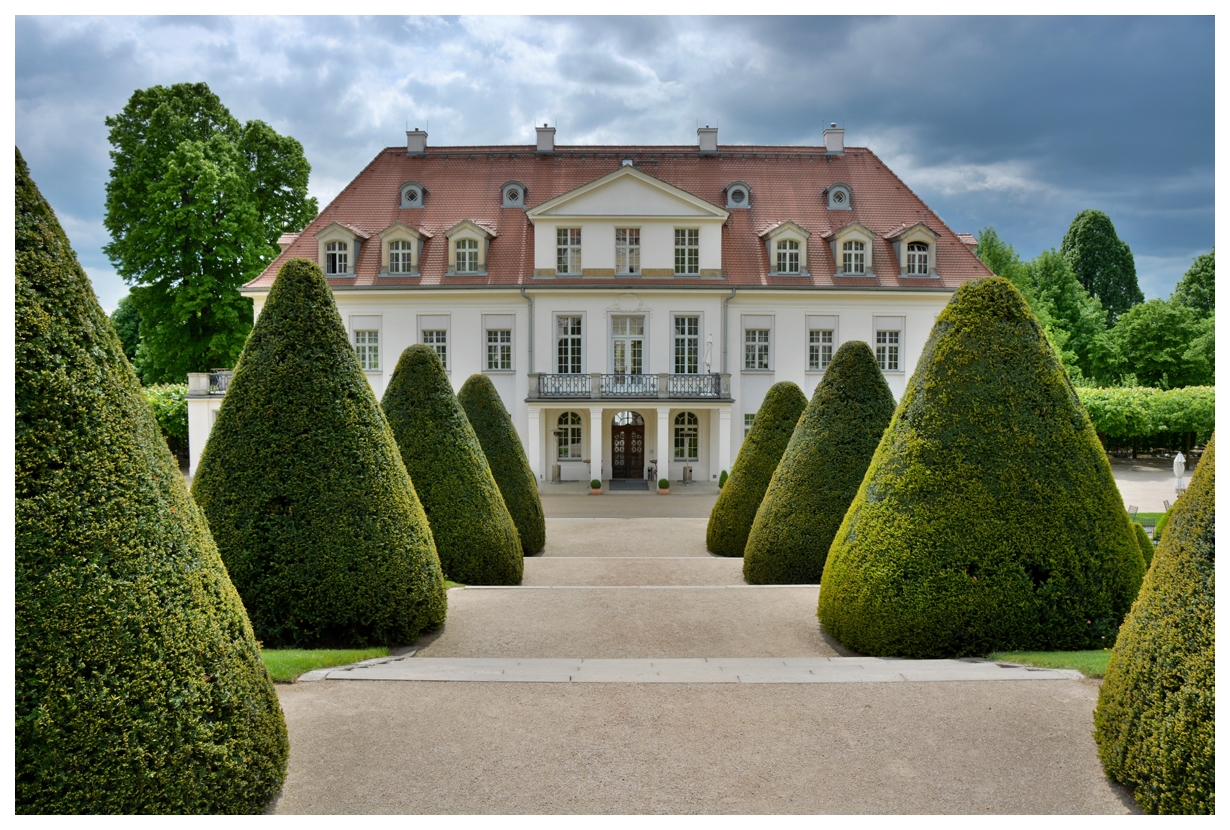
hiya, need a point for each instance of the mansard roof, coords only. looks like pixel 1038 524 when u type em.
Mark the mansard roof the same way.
pixel 788 182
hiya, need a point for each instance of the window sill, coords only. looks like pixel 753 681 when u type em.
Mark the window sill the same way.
pixel 373 371
pixel 465 273
pixel 499 371
pixel 931 276
pixel 757 371
pixel 412 274
pixel 814 371
pixel 869 275
pixel 784 274
pixel 348 276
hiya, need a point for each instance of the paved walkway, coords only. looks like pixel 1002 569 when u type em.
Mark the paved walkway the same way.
pixel 633 672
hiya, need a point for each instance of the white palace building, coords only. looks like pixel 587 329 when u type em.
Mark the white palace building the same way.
pixel 632 304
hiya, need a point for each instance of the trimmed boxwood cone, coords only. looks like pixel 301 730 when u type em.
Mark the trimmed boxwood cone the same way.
pixel 506 457
pixel 305 491
pixel 475 535
pixel 988 519
pixel 1144 542
pixel 820 471
pixel 1154 722
pixel 735 510
pixel 139 685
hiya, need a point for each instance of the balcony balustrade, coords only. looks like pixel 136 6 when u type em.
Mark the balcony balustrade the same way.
pixel 597 386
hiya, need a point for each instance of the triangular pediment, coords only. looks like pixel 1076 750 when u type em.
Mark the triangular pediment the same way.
pixel 627 192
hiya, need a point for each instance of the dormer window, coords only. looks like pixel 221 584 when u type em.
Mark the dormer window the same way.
pixel 411 195
pixel 400 249
pixel 787 256
pixel 853 257
pixel 918 257
pixel 512 195
pixel 915 249
pixel 337 258
pixel 467 256
pixel 786 245
pixel 852 247
pixel 400 260
pixel 467 248
pixel 838 196
pixel 738 195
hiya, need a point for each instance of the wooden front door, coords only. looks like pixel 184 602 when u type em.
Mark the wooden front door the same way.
pixel 628 451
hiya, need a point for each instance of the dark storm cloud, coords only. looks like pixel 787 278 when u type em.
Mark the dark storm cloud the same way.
pixel 1016 123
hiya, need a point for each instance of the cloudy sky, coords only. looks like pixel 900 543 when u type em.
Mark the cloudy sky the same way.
pixel 1014 123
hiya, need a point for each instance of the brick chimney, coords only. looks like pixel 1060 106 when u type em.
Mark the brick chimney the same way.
pixel 416 142
pixel 546 139
pixel 707 138
pixel 834 139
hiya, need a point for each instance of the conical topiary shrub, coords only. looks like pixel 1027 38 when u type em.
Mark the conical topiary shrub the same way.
pixel 988 519
pixel 735 510
pixel 1154 722
pixel 305 491
pixel 474 533
pixel 506 457
pixel 820 471
pixel 139 685
pixel 1144 543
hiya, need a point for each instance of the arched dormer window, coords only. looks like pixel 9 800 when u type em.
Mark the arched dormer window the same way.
pixel 915 248
pixel 786 245
pixel 918 258
pixel 338 248
pixel 412 194
pixel 854 257
pixel 512 195
pixel 467 256
pixel 738 196
pixel 337 258
pixel 687 437
pixel 568 437
pixel 838 196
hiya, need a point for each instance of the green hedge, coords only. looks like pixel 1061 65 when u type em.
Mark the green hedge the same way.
pixel 506 457
pixel 1154 724
pixel 988 519
pixel 735 510
pixel 170 404
pixel 305 491
pixel 820 471
pixel 1144 542
pixel 139 685
pixel 475 535
pixel 1140 412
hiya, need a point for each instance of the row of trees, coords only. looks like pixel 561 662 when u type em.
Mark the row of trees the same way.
pixel 195 205
pixel 1087 299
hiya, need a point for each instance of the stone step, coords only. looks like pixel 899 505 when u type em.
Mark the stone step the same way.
pixel 632 571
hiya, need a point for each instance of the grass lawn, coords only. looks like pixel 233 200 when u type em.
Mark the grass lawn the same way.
pixel 286 664
pixel 1149 519
pixel 1088 663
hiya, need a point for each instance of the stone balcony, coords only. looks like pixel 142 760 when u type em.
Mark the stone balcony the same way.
pixel 597 386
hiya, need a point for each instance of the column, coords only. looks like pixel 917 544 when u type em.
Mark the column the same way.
pixel 595 443
pixel 664 442
pixel 533 435
pixel 724 440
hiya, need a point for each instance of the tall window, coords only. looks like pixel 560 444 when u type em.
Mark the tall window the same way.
pixel 917 257
pixel 819 349
pixel 438 340
pixel 367 347
pixel 627 250
pixel 687 345
pixel 467 256
pixel 687 437
pixel 787 256
pixel 627 345
pixel 499 349
pixel 568 251
pixel 568 436
pixel 749 418
pixel 399 257
pixel 336 257
pixel 853 257
pixel 568 345
pixel 687 251
pixel 756 349
pixel 888 350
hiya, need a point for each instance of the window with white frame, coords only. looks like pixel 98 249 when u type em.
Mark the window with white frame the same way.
pixel 627 250
pixel 467 256
pixel 367 347
pixel 888 350
pixel 568 251
pixel 568 345
pixel 687 437
pixel 787 256
pixel 918 258
pixel 853 257
pixel 687 251
pixel 687 345
pixel 499 350
pixel 337 257
pixel 400 261
pixel 819 349
pixel 438 340
pixel 756 349
pixel 568 436
pixel 749 418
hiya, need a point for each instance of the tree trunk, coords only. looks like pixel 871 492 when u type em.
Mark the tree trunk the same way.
pixel 1135 445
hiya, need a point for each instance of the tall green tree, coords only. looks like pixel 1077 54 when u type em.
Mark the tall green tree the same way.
pixel 127 322
pixel 1102 261
pixel 195 204
pixel 1000 257
pixel 1165 344
pixel 1074 320
pixel 1197 287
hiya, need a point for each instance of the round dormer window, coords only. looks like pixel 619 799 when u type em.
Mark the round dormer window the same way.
pixel 839 197
pixel 738 196
pixel 411 196
pixel 514 195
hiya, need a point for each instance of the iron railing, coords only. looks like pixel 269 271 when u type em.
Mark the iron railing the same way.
pixel 695 386
pixel 624 385
pixel 219 380
pixel 629 386
pixel 563 386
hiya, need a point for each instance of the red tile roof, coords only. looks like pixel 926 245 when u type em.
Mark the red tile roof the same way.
pixel 786 185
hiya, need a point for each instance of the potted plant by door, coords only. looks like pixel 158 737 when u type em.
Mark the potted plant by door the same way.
pixel 664 487
pixel 595 488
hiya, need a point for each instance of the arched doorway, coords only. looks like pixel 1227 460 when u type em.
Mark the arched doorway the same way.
pixel 628 445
